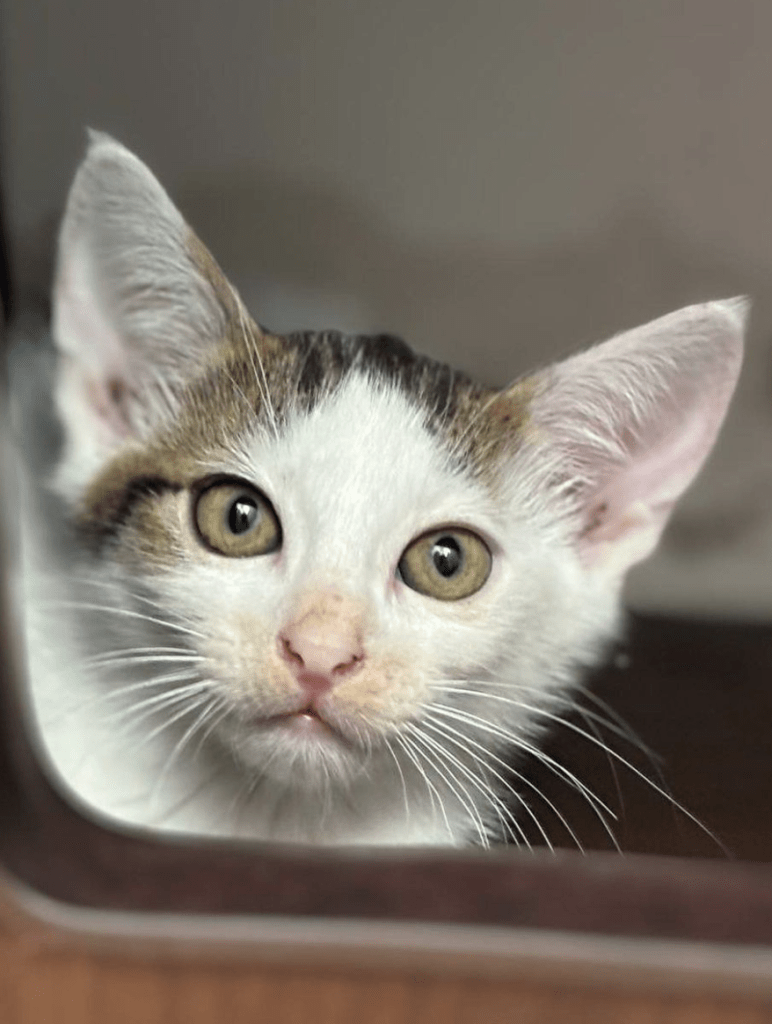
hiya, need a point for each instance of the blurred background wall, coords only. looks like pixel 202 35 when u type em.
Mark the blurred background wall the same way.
pixel 497 182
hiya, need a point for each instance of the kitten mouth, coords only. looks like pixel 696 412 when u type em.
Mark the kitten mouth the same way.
pixel 308 712
pixel 305 722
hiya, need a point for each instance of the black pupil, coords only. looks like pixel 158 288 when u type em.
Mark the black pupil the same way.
pixel 446 555
pixel 242 514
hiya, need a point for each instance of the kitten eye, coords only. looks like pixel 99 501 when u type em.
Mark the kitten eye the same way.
pixel 236 520
pixel 446 564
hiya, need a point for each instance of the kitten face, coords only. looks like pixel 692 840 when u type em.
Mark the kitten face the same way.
pixel 348 506
pixel 366 579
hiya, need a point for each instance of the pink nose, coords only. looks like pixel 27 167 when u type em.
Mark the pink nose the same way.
pixel 321 649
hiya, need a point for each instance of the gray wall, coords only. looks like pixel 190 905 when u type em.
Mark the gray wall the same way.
pixel 498 182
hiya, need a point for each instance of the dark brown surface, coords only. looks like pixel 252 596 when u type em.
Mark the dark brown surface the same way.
pixel 699 695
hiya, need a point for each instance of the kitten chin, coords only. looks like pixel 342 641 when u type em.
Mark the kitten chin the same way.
pixel 317 587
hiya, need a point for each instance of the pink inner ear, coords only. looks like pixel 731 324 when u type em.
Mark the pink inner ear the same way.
pixel 108 400
pixel 97 367
pixel 628 512
pixel 638 417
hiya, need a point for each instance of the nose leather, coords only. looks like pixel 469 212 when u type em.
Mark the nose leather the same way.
pixel 322 648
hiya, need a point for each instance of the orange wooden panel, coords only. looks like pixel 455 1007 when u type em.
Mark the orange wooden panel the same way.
pixel 40 985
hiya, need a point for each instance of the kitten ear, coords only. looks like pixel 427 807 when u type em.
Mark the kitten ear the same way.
pixel 137 303
pixel 631 422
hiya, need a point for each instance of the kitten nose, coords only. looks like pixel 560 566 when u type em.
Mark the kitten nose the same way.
pixel 321 649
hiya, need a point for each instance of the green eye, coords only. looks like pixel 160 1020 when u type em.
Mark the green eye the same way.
pixel 446 564
pixel 236 520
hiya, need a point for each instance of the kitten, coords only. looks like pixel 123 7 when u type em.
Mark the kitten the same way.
pixel 320 588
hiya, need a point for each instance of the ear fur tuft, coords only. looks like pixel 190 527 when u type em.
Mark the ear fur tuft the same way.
pixel 631 421
pixel 137 305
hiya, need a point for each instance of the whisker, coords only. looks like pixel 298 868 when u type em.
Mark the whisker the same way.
pixel 454 784
pixel 588 718
pixel 131 718
pixel 144 649
pixel 618 727
pixel 523 744
pixel 614 722
pixel 595 802
pixel 210 707
pixel 195 703
pixel 524 780
pixel 401 777
pixel 465 742
pixel 123 588
pixel 457 790
pixel 127 689
pixel 415 758
pixel 649 782
pixel 610 752
pixel 503 813
pixel 172 809
pixel 213 723
pixel 130 659
pixel 253 353
pixel 625 731
pixel 149 706
pixel 609 710
pixel 128 613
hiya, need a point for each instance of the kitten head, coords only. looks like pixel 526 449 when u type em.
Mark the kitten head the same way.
pixel 382 571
